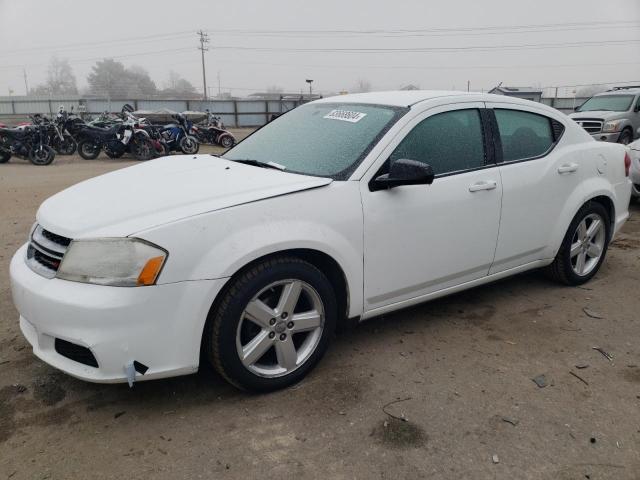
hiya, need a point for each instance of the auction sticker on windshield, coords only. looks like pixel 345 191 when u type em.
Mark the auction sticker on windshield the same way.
pixel 345 115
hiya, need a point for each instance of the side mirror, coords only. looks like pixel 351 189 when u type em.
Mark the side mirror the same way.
pixel 404 172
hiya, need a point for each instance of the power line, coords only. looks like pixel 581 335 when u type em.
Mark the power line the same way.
pixel 433 49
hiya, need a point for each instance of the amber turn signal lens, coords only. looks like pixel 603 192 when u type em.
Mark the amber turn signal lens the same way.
pixel 150 271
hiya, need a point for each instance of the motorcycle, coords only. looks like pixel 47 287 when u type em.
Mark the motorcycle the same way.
pixel 62 139
pixel 176 137
pixel 116 140
pixel 29 141
pixel 214 133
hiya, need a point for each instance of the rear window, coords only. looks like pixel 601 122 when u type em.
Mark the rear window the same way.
pixel 523 134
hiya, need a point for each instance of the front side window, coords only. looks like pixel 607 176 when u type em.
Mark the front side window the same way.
pixel 608 103
pixel 523 134
pixel 321 139
pixel 449 142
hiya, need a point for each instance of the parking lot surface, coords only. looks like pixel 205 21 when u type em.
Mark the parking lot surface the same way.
pixel 441 391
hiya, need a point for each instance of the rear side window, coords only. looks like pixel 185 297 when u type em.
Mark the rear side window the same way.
pixel 449 142
pixel 523 134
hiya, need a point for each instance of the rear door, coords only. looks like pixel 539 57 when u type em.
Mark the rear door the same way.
pixel 537 178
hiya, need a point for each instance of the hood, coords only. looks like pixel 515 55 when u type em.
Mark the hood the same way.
pixel 160 191
pixel 601 114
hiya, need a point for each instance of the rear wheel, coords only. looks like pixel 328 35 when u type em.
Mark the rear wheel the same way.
pixel 272 325
pixel 66 146
pixel 4 156
pixel 42 155
pixel 584 246
pixel 226 141
pixel 88 150
pixel 142 149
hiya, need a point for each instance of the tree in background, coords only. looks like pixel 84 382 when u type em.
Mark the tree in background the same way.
pixel 178 87
pixel 362 86
pixel 274 89
pixel 111 78
pixel 60 79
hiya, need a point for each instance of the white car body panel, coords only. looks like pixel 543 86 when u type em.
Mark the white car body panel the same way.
pixel 634 153
pixel 395 248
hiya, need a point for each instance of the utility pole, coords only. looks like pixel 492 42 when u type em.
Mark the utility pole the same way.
pixel 26 84
pixel 204 39
pixel 219 91
pixel 309 81
pixel 468 85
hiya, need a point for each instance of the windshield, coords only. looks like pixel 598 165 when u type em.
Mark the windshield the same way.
pixel 321 139
pixel 614 103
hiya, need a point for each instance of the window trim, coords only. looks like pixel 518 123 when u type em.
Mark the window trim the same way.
pixel 487 145
pixel 498 138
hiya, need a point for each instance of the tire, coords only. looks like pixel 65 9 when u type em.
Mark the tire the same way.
pixel 4 156
pixel 43 155
pixel 142 149
pixel 626 137
pixel 566 267
pixel 189 145
pixel 226 141
pixel 88 149
pixel 229 330
pixel 66 147
pixel 113 154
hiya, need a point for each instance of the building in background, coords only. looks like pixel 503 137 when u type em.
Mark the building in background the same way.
pixel 527 93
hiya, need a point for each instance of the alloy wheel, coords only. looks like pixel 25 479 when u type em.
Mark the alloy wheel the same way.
pixel 587 244
pixel 280 328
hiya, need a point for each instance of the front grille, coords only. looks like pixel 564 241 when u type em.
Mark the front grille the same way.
pixel 45 251
pixel 74 352
pixel 591 125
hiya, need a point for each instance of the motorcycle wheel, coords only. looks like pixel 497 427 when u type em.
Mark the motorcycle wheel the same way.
pixel 226 141
pixel 142 149
pixel 4 156
pixel 189 145
pixel 160 149
pixel 42 155
pixel 114 153
pixel 66 147
pixel 88 150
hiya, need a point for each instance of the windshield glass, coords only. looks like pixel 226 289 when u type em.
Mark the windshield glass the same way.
pixel 614 103
pixel 321 139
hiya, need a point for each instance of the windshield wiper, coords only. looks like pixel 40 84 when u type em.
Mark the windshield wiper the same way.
pixel 258 163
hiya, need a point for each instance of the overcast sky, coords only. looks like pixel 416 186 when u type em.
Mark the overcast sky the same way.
pixel 256 44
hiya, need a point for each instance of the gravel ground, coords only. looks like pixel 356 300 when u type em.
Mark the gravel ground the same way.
pixel 460 370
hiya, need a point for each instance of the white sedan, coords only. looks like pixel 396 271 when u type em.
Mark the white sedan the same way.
pixel 342 209
pixel 634 153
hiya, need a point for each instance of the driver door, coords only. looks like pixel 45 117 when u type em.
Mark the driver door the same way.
pixel 419 239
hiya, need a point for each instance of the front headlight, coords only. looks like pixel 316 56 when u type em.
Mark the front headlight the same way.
pixel 611 126
pixel 121 262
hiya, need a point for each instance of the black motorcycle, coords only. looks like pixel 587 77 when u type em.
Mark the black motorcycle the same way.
pixel 115 141
pixel 29 142
pixel 65 127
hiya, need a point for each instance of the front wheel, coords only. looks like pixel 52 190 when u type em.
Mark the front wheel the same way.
pixel 42 155
pixel 584 246
pixel 88 149
pixel 626 137
pixel 189 145
pixel 272 325
pixel 66 146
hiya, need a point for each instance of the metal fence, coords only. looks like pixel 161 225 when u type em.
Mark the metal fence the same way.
pixel 234 113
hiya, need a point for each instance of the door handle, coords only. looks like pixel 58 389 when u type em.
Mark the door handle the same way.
pixel 568 168
pixel 485 185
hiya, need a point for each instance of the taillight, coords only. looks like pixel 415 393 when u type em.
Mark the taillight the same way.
pixel 627 163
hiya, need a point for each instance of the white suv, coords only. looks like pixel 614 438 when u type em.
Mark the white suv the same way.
pixel 344 208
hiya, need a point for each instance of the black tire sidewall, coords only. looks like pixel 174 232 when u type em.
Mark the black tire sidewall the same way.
pixel 248 287
pixel 589 208
pixel 625 133
pixel 82 153
pixel 51 154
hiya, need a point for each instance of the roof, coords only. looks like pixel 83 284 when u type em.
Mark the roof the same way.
pixel 399 98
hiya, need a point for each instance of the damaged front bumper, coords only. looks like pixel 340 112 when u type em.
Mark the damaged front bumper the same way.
pixel 67 323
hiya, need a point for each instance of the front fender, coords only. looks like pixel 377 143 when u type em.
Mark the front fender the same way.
pixel 218 244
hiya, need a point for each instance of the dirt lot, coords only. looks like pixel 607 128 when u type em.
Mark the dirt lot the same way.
pixel 461 369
